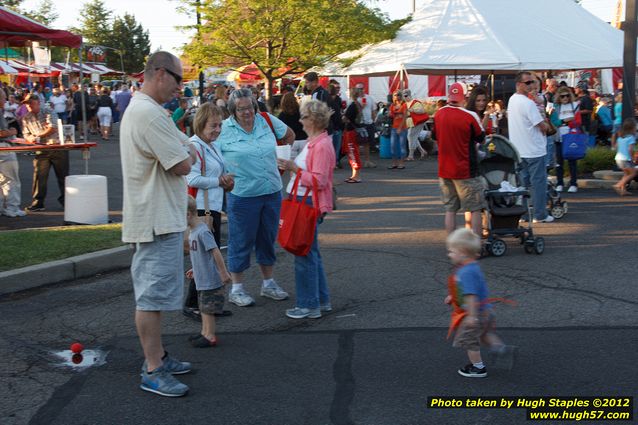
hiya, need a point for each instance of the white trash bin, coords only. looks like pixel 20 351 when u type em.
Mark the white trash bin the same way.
pixel 86 199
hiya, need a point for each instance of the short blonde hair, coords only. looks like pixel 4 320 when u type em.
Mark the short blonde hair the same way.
pixel 203 114
pixel 465 241
pixel 318 113
pixel 191 206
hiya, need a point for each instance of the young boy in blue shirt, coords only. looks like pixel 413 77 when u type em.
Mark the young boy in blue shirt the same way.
pixel 209 272
pixel 472 317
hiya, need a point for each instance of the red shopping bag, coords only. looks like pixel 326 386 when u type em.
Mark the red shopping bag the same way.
pixel 298 220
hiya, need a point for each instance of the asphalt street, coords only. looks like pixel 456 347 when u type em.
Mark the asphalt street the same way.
pixel 382 352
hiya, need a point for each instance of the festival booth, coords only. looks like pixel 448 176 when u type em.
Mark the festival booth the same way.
pixel 469 37
pixel 85 195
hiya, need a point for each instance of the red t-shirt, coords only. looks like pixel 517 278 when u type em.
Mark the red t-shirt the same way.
pixel 397 113
pixel 457 131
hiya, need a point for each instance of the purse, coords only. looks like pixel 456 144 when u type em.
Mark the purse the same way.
pixel 298 220
pixel 574 144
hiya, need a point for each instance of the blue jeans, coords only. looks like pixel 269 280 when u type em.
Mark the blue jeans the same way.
pixel 310 279
pixel 398 142
pixel 573 167
pixel 336 143
pixel 253 222
pixel 549 158
pixel 534 176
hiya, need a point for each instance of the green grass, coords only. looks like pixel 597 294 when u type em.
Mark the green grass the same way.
pixel 22 248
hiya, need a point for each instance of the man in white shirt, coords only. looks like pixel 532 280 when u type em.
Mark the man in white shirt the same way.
pixel 368 115
pixel 527 133
pixel 155 158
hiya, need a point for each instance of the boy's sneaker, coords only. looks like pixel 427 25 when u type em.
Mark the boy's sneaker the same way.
pixel 325 307
pixel 274 292
pixel 572 189
pixel 202 342
pixel 163 383
pixel 471 371
pixel 303 313
pixel 171 365
pixel 241 299
pixel 506 357
pixel 559 188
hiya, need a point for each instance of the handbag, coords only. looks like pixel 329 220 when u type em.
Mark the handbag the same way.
pixel 298 220
pixel 574 144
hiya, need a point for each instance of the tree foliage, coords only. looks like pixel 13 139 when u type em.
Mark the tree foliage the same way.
pixel 132 41
pixel 95 23
pixel 45 13
pixel 283 37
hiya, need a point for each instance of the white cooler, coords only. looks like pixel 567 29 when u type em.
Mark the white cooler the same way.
pixel 86 199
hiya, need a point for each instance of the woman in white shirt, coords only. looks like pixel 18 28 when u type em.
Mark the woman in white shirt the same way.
pixel 565 108
pixel 207 177
pixel 58 102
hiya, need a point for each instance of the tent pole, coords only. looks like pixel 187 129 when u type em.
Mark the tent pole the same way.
pixel 83 102
pixel 630 28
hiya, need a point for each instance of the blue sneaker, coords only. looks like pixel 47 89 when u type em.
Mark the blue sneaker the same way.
pixel 172 366
pixel 161 382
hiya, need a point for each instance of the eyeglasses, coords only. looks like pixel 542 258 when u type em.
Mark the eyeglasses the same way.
pixel 528 83
pixel 564 95
pixel 178 78
pixel 245 109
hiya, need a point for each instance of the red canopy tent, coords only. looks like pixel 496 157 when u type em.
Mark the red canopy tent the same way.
pixel 16 29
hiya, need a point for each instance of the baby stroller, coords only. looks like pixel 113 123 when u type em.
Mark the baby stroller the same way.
pixel 555 205
pixel 506 204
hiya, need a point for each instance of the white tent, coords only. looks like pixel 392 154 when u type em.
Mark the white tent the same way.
pixel 484 36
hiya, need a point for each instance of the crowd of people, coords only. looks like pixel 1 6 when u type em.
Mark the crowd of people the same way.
pixel 230 163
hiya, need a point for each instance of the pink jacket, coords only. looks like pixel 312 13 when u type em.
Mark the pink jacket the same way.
pixel 320 162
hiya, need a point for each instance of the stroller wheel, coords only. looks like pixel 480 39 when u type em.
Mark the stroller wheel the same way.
pixel 558 211
pixel 539 245
pixel 498 248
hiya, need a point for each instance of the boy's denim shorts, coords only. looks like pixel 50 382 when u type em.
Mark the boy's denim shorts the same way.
pixel 157 271
pixel 253 223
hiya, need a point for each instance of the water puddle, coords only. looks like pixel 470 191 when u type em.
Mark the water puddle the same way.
pixel 80 361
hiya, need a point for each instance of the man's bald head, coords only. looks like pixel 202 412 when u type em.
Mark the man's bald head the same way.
pixel 160 60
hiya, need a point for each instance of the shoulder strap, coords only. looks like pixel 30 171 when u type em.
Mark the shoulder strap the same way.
pixel 266 116
pixel 203 171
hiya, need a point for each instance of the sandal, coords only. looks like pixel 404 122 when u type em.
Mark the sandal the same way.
pixel 351 180
pixel 392 167
pixel 203 342
pixel 400 167
pixel 223 313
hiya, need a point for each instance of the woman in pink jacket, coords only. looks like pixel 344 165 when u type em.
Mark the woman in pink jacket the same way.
pixel 316 160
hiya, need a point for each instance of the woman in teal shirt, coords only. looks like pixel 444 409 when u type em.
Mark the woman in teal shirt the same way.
pixel 248 143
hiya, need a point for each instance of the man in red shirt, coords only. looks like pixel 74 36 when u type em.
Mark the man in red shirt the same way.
pixel 457 132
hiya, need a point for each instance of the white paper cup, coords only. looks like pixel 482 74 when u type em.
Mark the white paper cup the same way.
pixel 283 152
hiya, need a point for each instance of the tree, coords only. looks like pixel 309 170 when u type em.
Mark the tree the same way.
pixel 45 13
pixel 283 37
pixel 132 41
pixel 12 4
pixel 95 23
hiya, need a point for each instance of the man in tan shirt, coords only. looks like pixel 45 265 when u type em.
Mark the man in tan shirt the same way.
pixel 155 158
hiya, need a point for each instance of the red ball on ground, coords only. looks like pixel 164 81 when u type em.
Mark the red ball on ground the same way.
pixel 77 348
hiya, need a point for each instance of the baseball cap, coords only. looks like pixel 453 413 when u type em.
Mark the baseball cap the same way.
pixel 456 93
pixel 582 85
pixel 359 86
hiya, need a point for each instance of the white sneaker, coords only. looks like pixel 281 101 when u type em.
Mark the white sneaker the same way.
pixel 559 188
pixel 572 189
pixel 274 292
pixel 241 299
pixel 547 219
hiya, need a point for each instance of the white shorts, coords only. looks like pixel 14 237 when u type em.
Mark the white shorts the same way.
pixel 104 114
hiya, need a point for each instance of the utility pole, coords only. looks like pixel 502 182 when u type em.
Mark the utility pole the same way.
pixel 630 27
pixel 201 72
pixel 413 6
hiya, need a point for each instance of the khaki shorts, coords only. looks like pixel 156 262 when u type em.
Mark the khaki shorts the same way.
pixel 211 301
pixel 471 337
pixel 463 194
